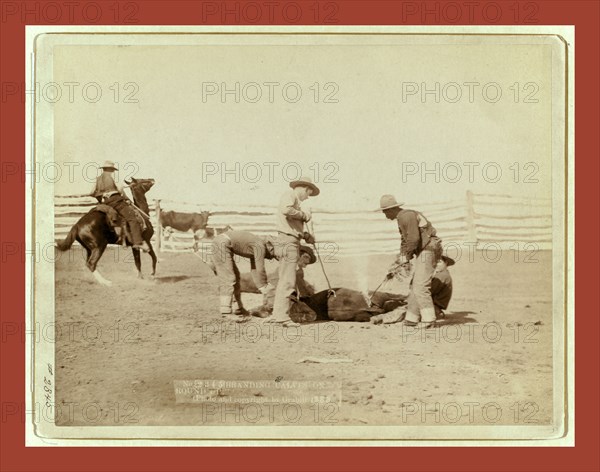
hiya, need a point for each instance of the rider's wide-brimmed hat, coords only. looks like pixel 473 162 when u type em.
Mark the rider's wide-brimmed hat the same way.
pixel 109 165
pixel 388 201
pixel 308 250
pixel 307 182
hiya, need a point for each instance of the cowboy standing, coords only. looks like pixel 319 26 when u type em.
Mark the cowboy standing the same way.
pixel 244 244
pixel 419 247
pixel 111 192
pixel 290 229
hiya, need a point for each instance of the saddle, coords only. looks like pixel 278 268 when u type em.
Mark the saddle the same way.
pixel 118 224
pixel 141 219
pixel 113 218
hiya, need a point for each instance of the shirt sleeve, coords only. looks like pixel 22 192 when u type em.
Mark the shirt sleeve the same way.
pixel 408 224
pixel 257 265
pixel 286 206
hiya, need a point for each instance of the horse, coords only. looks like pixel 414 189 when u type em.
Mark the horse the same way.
pixel 94 233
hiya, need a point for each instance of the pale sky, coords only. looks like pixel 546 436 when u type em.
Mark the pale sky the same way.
pixel 376 139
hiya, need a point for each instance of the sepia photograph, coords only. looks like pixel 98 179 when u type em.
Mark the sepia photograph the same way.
pixel 300 234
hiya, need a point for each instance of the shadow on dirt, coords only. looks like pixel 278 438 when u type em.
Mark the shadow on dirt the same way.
pixel 175 278
pixel 458 317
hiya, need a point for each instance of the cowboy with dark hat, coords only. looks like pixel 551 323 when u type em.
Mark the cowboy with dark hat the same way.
pixel 107 190
pixel 307 257
pixel 421 249
pixel 441 286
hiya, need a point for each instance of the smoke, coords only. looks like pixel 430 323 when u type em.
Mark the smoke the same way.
pixel 360 273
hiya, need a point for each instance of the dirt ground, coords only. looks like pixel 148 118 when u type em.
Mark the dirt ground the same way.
pixel 121 349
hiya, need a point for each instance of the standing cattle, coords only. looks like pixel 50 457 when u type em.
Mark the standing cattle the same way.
pixel 184 221
pixel 174 220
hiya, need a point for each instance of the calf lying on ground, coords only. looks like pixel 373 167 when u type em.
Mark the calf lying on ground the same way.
pixel 347 305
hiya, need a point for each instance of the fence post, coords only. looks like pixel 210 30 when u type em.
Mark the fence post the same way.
pixel 471 227
pixel 159 226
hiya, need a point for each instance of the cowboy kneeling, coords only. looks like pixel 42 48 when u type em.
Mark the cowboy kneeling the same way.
pixel 250 246
pixel 110 192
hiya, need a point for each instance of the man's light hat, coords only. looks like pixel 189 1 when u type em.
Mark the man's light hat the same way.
pixel 307 182
pixel 388 201
pixel 108 165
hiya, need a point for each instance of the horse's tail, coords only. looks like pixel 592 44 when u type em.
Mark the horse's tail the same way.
pixel 66 243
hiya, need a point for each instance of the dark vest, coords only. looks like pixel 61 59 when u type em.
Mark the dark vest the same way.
pixel 426 229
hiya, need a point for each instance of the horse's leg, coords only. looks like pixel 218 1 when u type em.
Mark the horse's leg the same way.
pixel 88 252
pixel 92 262
pixel 153 256
pixel 138 262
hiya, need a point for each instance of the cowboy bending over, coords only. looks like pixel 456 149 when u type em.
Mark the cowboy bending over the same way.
pixel 245 244
pixel 421 248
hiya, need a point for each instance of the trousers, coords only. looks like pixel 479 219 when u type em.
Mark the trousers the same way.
pixel 287 250
pixel 227 271
pixel 419 303
pixel 121 205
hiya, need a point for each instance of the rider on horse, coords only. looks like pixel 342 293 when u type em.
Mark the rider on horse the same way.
pixel 110 192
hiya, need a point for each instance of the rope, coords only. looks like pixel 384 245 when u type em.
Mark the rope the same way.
pixel 312 233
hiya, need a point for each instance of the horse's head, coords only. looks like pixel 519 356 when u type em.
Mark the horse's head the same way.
pixel 140 185
pixel 138 188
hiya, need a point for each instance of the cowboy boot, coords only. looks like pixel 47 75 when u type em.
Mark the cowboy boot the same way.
pixel 225 304
pixel 239 309
pixel 411 318
pixel 427 318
